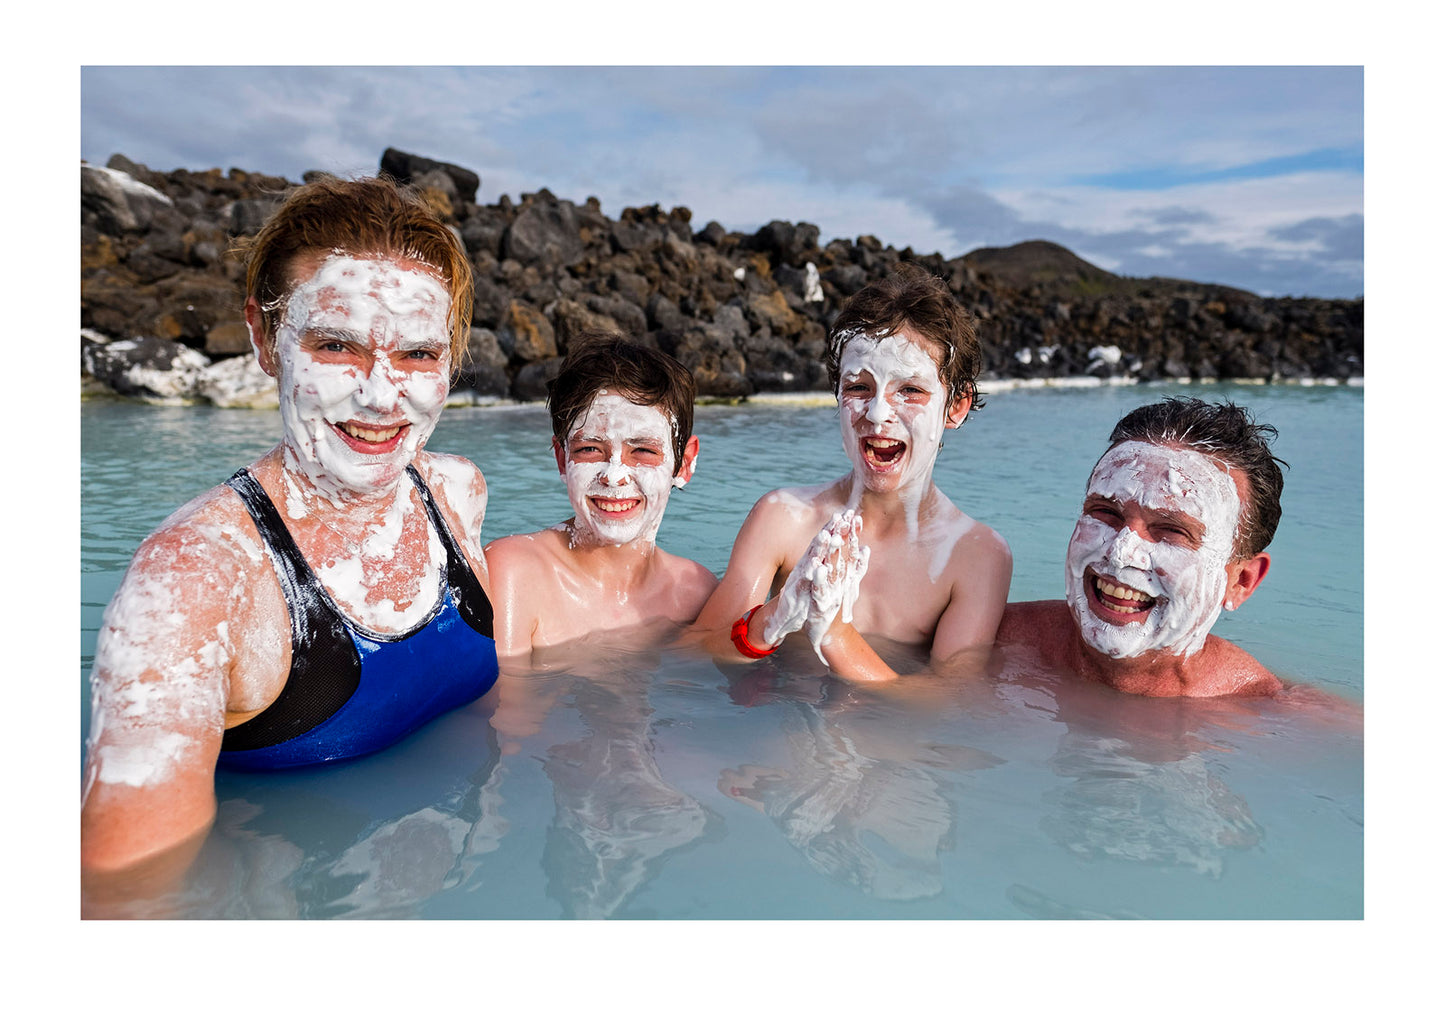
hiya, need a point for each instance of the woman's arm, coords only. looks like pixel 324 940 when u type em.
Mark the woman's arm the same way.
pixel 160 688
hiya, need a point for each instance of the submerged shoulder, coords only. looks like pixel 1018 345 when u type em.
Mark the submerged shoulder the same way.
pixel 1232 671
pixel 1034 622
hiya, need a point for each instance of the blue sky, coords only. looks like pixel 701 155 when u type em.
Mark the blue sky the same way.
pixel 1248 176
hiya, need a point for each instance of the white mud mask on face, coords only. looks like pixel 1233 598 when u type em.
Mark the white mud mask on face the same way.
pixel 617 502
pixel 1186 585
pixel 363 357
pixel 892 408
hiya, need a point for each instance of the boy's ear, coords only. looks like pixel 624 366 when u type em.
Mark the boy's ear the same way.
pixel 689 461
pixel 560 455
pixel 957 412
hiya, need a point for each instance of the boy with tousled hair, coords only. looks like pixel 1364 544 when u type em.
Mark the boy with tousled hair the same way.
pixel 881 551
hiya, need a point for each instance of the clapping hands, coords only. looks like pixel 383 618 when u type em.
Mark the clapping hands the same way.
pixel 823 585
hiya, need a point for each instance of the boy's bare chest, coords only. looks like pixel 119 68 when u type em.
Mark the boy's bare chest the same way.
pixel 904 593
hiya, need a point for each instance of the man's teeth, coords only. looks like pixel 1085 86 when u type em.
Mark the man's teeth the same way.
pixel 370 435
pixel 1121 594
pixel 615 506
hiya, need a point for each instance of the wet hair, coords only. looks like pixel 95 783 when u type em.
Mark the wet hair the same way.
pixel 370 216
pixel 1228 434
pixel 598 361
pixel 915 298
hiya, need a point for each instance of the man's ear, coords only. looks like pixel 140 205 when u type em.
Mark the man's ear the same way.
pixel 957 412
pixel 256 326
pixel 560 455
pixel 689 461
pixel 1244 578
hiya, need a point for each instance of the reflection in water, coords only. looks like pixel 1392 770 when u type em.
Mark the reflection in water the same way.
pixel 1144 779
pixel 409 859
pixel 1173 813
pixel 856 812
pixel 373 838
pixel 617 820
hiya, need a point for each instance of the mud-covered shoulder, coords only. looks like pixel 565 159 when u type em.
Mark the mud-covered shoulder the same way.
pixel 460 491
pixel 806 506
pixel 211 527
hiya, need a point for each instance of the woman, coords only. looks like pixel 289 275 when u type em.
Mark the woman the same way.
pixel 328 599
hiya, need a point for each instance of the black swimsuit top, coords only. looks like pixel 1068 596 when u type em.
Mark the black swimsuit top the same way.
pixel 351 690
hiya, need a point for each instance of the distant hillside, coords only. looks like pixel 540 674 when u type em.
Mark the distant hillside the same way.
pixel 1045 264
pixel 1053 270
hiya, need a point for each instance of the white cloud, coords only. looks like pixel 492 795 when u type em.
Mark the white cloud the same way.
pixel 1237 213
pixel 940 158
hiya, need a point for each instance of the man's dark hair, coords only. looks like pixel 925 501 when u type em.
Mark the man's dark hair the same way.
pixel 915 298
pixel 1230 435
pixel 598 361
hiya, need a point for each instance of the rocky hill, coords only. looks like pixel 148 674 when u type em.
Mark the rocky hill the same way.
pixel 161 295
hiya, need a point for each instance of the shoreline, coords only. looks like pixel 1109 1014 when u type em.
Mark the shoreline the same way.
pixel 802 398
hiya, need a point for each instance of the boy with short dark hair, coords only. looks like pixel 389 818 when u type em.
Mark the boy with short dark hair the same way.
pixel 622 437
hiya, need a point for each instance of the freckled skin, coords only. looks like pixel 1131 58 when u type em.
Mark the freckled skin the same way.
pixel 197 638
pixel 935 578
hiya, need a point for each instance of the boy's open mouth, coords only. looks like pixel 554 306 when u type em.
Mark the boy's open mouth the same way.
pixel 881 453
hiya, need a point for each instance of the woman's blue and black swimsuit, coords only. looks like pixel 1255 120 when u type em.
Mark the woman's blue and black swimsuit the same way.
pixel 353 691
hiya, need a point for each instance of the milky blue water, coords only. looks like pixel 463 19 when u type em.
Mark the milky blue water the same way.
pixel 665 787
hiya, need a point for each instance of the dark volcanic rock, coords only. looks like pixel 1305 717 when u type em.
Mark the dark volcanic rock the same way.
pixel 746 312
pixel 525 334
pixel 121 204
pixel 484 367
pixel 531 381
pixel 545 232
pixel 406 167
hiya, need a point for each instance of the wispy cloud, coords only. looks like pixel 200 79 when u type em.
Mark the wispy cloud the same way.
pixel 1247 176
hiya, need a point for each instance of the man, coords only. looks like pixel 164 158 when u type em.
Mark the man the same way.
pixel 1174 527
pixel 622 437
pixel 328 599
pixel 881 551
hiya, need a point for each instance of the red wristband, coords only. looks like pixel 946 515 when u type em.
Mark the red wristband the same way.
pixel 740 636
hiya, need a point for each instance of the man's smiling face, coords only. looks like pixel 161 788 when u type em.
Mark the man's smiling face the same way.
pixel 1148 563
